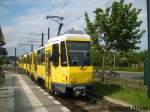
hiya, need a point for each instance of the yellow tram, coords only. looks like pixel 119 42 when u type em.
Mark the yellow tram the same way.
pixel 63 65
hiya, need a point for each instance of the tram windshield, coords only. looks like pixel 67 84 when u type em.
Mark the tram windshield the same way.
pixel 79 53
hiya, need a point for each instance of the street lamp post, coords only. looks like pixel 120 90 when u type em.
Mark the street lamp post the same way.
pixel 48 34
pixel 15 57
pixel 114 61
pixel 148 22
pixel 42 41
pixel 148 29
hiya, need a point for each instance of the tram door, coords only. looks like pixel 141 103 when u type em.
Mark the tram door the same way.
pixel 26 65
pixel 35 66
pixel 35 62
pixel 48 70
pixel 30 58
pixel 55 69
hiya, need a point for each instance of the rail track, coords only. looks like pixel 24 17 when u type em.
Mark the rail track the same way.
pixel 84 104
pixel 81 104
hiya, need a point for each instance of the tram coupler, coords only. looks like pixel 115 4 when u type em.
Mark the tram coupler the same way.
pixel 79 91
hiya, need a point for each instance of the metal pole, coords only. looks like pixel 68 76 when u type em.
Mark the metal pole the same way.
pixel 31 48
pixel 57 19
pixel 15 57
pixel 148 22
pixel 48 33
pixel 148 29
pixel 42 39
pixel 114 60
pixel 59 29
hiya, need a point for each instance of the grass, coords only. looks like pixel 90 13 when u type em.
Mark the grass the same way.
pixel 134 97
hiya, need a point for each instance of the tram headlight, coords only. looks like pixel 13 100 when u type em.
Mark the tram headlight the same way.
pixel 73 80
pixel 89 79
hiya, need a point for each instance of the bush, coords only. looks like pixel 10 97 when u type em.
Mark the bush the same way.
pixel 2 61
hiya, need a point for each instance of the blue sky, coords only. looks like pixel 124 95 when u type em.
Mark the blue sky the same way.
pixel 24 20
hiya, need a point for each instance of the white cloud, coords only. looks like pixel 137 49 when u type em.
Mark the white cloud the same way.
pixel 32 20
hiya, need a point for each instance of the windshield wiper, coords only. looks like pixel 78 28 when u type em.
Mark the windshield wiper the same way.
pixel 85 62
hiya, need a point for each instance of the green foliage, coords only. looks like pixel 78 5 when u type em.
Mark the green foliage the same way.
pixel 2 62
pixel 115 29
pixel 132 58
pixel 124 28
pixel 96 57
pixel 128 61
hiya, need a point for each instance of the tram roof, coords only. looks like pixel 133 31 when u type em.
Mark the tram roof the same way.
pixel 39 48
pixel 69 37
pixel 25 55
pixel 62 38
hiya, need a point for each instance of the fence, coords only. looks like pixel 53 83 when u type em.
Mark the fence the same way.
pixel 2 77
pixel 111 78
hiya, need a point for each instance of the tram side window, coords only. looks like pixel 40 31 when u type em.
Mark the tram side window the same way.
pixel 25 60
pixel 41 56
pixel 35 61
pixel 63 54
pixel 55 54
pixel 28 59
pixel 38 57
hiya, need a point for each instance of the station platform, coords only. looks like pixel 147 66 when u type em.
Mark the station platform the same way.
pixel 20 94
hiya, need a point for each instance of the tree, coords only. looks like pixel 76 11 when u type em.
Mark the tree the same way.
pixel 2 40
pixel 3 51
pixel 96 57
pixel 115 29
